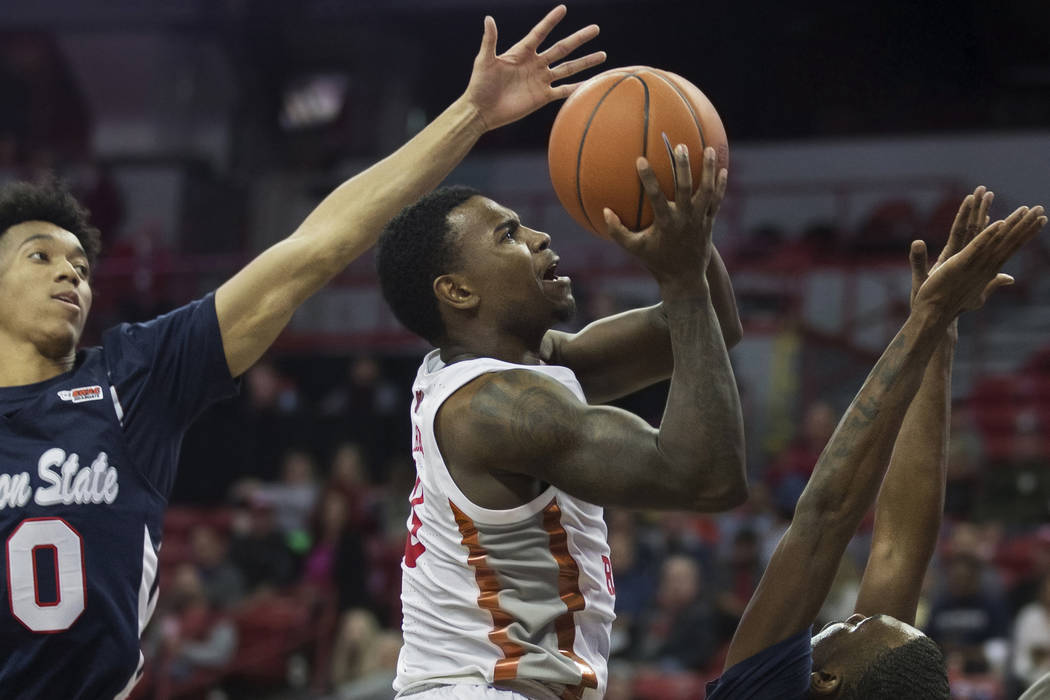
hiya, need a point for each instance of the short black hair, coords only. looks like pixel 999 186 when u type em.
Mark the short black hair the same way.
pixel 414 249
pixel 913 671
pixel 48 200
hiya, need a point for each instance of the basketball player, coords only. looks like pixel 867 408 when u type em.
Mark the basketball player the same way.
pixel 899 417
pixel 89 439
pixel 507 584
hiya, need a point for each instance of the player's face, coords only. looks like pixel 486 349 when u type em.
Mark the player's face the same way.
pixel 510 266
pixel 858 638
pixel 45 295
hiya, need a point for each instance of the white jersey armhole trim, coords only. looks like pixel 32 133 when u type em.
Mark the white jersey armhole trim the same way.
pixel 467 372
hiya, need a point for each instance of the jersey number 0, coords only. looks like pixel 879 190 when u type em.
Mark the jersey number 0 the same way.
pixel 45 537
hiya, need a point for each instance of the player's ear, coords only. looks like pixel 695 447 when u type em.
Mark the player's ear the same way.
pixel 824 683
pixel 456 291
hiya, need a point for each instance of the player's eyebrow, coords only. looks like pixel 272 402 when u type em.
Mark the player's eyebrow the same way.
pixel 510 224
pixel 49 237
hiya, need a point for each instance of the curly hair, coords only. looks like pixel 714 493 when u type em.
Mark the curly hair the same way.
pixel 913 671
pixel 414 249
pixel 49 201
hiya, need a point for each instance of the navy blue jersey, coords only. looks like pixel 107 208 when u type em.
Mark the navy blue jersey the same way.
pixel 780 672
pixel 87 460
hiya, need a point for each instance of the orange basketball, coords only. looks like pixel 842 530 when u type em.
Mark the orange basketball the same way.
pixel 612 119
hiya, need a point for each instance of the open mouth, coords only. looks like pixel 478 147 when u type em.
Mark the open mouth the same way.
pixel 551 273
pixel 69 298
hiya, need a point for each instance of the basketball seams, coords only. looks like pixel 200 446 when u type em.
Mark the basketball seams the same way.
pixel 590 154
pixel 696 121
pixel 645 150
pixel 688 105
pixel 583 141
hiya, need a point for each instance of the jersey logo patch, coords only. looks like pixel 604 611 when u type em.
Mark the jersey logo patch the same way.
pixel 82 394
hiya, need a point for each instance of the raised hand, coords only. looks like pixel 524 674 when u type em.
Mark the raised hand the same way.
pixel 969 220
pixel 517 82
pixel 678 243
pixel 963 281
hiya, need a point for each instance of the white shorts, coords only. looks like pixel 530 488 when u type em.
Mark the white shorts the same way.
pixel 463 691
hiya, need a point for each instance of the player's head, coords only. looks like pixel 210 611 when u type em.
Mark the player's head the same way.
pixel 876 658
pixel 47 248
pixel 456 259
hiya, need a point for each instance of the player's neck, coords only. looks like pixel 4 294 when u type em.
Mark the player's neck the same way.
pixel 22 363
pixel 488 343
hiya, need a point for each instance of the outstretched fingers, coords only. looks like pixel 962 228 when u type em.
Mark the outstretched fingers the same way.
pixel 969 220
pixel 978 214
pixel 537 34
pixel 1018 229
pixel 564 47
pixel 1030 225
pixel 570 68
pixel 998 242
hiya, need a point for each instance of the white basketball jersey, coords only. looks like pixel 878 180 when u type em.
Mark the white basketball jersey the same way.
pixel 520 598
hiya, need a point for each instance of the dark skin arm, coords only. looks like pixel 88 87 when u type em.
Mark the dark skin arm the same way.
pixel 911 501
pixel 620 354
pixel 518 424
pixel 851 468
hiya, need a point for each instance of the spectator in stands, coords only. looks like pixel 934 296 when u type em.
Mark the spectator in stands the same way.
pixel 1031 638
pixel 965 454
pixel 196 635
pixel 349 474
pixel 738 573
pixel 677 634
pixel 258 549
pixel 968 621
pixel 1027 587
pixel 790 470
pixel 335 575
pixel 634 566
pixel 1017 488
pixel 293 497
pixel 373 673
pixel 338 562
pixel 688 533
pixel 271 418
pixel 621 681
pixel 220 579
pixel 364 406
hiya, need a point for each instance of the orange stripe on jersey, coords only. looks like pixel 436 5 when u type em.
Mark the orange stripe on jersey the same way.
pixel 569 590
pixel 488 582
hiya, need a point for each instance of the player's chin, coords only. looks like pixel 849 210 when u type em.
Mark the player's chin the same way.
pixel 565 311
pixel 59 345
pixel 58 341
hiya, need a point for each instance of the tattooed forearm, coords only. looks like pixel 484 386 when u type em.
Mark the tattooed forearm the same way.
pixel 848 473
pixel 702 428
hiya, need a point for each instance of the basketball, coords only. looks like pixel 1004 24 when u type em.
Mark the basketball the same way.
pixel 612 119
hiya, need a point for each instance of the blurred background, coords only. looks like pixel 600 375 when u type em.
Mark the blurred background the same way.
pixel 198 132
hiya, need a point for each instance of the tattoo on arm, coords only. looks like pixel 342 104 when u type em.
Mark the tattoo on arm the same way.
pixel 525 415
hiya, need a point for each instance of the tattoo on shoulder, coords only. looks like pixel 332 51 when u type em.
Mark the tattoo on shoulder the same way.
pixel 524 413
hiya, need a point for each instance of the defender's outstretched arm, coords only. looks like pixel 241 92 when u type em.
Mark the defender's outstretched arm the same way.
pixel 256 304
